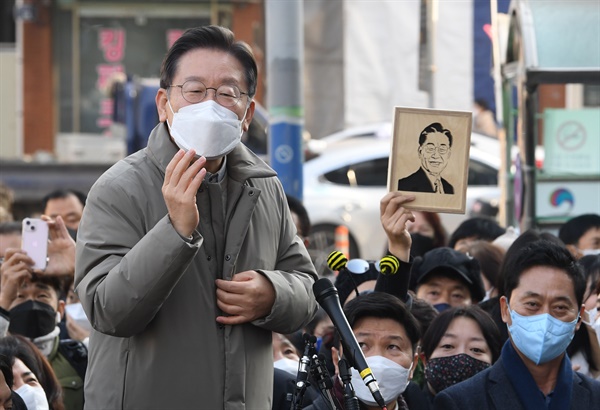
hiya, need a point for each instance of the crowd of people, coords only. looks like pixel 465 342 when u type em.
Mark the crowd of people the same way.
pixel 502 320
pixel 182 280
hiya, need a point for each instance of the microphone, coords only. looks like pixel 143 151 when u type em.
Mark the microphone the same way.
pixel 327 296
pixel 336 260
pixel 389 265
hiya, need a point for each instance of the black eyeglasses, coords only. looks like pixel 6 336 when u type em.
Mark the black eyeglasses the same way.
pixel 194 91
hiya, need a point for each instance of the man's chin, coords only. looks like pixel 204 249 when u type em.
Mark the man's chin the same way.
pixel 436 170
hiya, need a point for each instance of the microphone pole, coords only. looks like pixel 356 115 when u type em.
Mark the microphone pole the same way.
pixel 302 377
pixel 350 399
pixel 321 376
pixel 327 296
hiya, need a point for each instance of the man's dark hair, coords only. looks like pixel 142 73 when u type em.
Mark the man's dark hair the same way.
pixel 7 228
pixel 482 228
pixel 297 208
pixel 482 103
pixel 442 322
pixel 59 284
pixel 6 369
pixel 63 193
pixel 523 240
pixel 384 306
pixel 215 38
pixel 543 253
pixel 423 311
pixel 575 228
pixel 432 129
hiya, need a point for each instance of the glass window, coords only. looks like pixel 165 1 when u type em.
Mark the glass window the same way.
pixel 591 95
pixel 366 173
pixel 338 176
pixel 7 22
pixel 481 174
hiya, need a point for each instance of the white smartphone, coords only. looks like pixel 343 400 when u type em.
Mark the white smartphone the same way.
pixel 34 241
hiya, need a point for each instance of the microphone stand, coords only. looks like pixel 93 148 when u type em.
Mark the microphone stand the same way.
pixel 350 399
pixel 321 375
pixel 302 377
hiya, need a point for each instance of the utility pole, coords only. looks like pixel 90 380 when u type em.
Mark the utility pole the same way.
pixel 432 21
pixel 284 22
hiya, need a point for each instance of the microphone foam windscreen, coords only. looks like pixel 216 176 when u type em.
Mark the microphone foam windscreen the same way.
pixel 336 260
pixel 389 265
pixel 322 286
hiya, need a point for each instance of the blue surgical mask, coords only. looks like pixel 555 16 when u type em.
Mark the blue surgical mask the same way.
pixel 540 337
pixel 440 307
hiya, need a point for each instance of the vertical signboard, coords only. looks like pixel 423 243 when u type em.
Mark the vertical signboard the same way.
pixel 118 48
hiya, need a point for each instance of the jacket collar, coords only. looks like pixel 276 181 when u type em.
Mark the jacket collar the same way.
pixel 241 162
pixel 527 392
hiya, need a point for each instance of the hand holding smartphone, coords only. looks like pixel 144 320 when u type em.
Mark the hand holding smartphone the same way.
pixel 34 241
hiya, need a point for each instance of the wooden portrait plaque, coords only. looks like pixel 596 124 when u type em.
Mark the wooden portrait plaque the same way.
pixel 429 158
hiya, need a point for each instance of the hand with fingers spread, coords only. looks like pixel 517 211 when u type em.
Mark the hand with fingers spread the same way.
pixel 393 219
pixel 61 249
pixel 15 269
pixel 183 178
pixel 247 297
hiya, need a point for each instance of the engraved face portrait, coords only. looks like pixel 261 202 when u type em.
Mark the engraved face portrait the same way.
pixel 435 143
pixel 435 153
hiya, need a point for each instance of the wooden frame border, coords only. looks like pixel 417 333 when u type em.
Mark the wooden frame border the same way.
pixel 405 168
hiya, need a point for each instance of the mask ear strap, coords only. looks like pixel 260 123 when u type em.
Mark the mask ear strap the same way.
pixel 245 113
pixel 171 108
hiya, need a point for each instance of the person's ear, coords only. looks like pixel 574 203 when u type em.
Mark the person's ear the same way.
pixel 415 362
pixel 335 358
pixel 579 319
pixel 161 100
pixel 574 251
pixel 61 308
pixel 504 310
pixel 249 116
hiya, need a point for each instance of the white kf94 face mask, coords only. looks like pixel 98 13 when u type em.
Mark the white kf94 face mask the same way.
pixel 212 130
pixel 34 397
pixel 392 379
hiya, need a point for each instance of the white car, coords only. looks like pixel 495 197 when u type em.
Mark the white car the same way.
pixel 345 183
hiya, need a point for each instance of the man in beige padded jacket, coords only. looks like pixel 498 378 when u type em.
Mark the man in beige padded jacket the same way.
pixel 187 256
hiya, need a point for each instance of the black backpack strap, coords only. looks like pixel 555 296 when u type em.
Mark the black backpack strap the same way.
pixel 76 354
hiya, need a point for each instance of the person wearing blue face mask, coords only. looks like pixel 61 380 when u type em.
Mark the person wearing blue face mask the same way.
pixel 542 309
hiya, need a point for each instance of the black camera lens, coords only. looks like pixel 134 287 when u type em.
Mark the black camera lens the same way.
pixel 28 222
pixel 33 228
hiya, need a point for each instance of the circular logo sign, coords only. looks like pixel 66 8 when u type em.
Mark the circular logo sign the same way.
pixel 571 135
pixel 284 154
